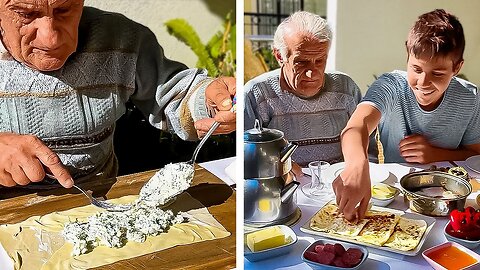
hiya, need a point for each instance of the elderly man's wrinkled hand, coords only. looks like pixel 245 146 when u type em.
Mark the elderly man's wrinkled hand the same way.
pixel 24 159
pixel 353 191
pixel 219 97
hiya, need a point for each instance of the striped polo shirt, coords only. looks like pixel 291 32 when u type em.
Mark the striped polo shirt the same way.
pixel 455 122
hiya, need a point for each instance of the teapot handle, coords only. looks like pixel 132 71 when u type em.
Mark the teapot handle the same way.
pixel 287 151
pixel 288 191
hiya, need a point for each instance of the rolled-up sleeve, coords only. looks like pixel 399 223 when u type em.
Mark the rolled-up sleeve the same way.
pixel 165 88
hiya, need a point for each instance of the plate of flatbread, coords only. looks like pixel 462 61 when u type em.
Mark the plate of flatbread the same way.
pixel 382 228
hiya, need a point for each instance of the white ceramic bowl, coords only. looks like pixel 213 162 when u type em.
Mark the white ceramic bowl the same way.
pixel 319 266
pixel 467 243
pixel 272 252
pixel 437 266
pixel 385 202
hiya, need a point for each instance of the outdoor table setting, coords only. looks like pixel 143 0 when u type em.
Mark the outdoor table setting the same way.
pixel 306 238
pixel 204 240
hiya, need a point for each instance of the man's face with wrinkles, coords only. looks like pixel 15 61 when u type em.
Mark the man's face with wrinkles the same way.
pixel 303 70
pixel 40 33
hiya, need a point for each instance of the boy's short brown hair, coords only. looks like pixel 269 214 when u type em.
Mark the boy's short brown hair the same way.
pixel 437 33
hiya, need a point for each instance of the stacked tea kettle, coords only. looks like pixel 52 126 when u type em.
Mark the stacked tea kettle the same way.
pixel 269 182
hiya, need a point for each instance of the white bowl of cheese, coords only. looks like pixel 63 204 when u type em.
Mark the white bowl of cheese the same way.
pixel 383 194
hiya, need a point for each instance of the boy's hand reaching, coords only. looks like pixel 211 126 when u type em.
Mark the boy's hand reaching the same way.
pixel 353 191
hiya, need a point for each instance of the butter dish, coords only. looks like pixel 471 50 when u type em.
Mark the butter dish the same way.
pixel 271 252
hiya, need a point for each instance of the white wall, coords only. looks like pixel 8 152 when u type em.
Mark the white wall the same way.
pixel 206 17
pixel 371 35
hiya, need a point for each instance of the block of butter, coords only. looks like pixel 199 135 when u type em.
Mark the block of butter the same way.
pixel 266 238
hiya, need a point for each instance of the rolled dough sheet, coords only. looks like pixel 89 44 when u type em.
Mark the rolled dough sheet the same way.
pixel 37 243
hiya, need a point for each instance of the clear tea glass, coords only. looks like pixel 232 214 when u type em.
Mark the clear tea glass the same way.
pixel 317 188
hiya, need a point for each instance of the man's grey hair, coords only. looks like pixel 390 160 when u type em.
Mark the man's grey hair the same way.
pixel 303 22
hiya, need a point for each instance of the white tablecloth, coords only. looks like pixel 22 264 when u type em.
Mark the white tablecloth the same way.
pixel 377 259
pixel 223 169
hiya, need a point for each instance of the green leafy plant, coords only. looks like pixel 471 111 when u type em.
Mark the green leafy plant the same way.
pixel 218 55
pixel 269 58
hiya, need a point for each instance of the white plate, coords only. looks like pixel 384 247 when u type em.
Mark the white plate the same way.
pixel 429 220
pixel 473 163
pixel 378 173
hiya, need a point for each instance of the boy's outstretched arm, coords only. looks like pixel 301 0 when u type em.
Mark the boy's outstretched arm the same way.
pixel 352 190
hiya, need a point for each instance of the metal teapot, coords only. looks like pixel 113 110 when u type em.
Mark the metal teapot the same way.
pixel 269 183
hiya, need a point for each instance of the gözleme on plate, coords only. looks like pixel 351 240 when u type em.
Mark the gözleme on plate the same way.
pixel 330 221
pixel 378 228
pixel 115 229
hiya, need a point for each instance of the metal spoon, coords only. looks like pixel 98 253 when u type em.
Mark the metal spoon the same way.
pixel 202 142
pixel 124 207
pixel 190 162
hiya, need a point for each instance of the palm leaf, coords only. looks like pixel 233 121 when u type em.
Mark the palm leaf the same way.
pixel 184 32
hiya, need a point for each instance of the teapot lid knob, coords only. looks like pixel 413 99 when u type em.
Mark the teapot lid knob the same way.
pixel 257 126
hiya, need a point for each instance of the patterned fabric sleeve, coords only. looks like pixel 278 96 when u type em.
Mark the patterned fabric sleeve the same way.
pixel 250 110
pixel 172 85
pixel 356 94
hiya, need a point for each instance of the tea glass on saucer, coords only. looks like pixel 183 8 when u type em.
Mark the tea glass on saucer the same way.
pixel 318 189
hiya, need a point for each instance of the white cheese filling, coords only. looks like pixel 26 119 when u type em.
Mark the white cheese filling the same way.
pixel 115 229
pixel 145 218
pixel 168 182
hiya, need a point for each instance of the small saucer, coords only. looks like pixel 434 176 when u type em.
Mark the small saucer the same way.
pixel 320 195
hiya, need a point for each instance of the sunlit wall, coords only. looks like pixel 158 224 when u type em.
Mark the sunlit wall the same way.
pixel 371 35
pixel 206 16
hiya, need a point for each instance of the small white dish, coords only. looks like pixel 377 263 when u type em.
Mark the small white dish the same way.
pixel 426 254
pixel 272 252
pixel 473 163
pixel 384 202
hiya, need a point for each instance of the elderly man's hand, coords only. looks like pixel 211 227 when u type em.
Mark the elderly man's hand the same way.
pixel 353 190
pixel 219 95
pixel 24 159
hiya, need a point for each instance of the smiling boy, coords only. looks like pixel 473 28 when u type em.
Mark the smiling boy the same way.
pixel 423 115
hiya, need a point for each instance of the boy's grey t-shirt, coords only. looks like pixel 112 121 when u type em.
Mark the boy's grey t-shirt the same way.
pixel 455 122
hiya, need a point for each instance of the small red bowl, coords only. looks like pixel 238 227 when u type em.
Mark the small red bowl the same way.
pixel 471 244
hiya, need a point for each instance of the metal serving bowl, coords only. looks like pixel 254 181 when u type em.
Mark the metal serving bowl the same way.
pixel 411 183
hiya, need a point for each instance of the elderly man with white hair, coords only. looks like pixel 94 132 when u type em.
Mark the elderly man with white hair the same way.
pixel 309 105
pixel 66 74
